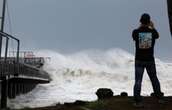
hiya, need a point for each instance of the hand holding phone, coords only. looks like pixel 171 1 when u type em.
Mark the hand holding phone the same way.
pixel 151 25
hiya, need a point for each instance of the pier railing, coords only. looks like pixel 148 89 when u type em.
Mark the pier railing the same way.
pixel 12 69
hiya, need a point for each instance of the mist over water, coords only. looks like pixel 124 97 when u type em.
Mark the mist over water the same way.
pixel 77 77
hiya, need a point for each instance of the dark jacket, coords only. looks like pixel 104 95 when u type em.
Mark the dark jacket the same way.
pixel 144 38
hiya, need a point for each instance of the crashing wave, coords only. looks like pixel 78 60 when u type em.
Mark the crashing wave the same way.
pixel 77 77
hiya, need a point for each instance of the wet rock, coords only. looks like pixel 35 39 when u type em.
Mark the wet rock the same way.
pixel 124 94
pixel 68 104
pixel 103 93
pixel 80 102
pixel 155 95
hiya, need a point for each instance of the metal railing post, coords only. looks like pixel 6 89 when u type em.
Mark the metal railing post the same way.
pixel 18 50
pixel 6 50
pixel 4 84
pixel 2 24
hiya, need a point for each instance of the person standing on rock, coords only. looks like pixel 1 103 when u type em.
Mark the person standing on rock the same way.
pixel 144 38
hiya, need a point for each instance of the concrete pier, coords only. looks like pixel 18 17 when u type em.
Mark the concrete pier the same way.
pixel 19 79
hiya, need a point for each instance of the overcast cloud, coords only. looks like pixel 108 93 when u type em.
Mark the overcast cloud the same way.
pixel 75 25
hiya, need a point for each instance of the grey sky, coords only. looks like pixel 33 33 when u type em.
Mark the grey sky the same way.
pixel 74 25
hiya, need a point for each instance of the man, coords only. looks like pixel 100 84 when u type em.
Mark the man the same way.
pixel 144 38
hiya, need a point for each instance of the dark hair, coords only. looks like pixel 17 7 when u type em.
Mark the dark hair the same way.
pixel 145 19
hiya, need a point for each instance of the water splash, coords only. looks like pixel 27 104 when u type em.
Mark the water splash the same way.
pixel 77 77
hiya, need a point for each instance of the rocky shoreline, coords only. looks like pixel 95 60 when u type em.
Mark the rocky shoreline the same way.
pixel 113 103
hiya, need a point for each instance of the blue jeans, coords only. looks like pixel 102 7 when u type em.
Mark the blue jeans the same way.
pixel 151 70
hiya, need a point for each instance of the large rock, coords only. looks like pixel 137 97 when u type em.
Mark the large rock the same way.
pixel 103 93
pixel 124 94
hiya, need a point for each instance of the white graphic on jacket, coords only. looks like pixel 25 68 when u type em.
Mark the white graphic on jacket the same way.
pixel 145 40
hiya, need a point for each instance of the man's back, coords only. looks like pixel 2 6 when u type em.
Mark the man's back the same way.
pixel 145 40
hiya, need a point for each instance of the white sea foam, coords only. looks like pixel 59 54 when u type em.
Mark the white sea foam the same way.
pixel 77 77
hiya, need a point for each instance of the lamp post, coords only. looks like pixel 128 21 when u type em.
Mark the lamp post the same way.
pixel 2 24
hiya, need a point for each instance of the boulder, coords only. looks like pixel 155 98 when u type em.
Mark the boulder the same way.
pixel 103 93
pixel 124 94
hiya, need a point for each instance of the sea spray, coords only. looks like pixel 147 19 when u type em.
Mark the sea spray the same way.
pixel 77 76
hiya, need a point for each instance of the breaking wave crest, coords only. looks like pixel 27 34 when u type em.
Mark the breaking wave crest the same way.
pixel 77 77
